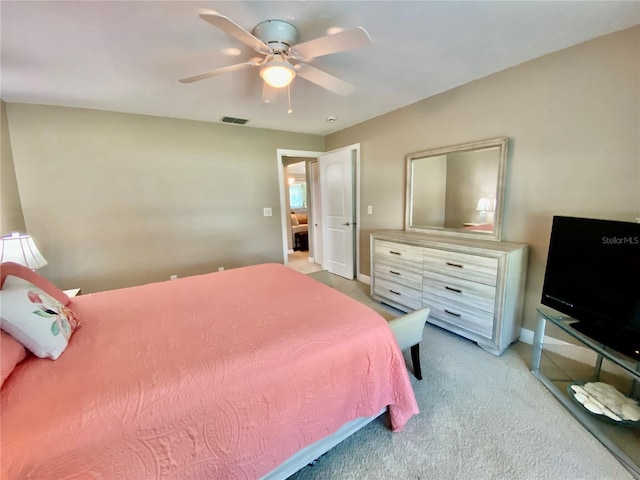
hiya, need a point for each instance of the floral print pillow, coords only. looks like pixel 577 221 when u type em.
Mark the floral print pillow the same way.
pixel 35 319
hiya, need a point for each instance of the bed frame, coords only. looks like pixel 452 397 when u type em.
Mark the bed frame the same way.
pixel 309 454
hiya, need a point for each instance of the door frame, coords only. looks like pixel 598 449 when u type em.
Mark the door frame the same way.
pixel 283 152
pixel 316 211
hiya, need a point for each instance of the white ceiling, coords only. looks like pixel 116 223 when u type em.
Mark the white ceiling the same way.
pixel 127 56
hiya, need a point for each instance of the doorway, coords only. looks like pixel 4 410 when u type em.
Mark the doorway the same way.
pixel 316 245
pixel 298 174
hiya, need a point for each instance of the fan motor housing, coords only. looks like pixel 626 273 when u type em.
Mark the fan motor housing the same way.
pixel 278 34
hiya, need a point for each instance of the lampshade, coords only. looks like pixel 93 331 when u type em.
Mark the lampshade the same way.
pixel 484 205
pixel 20 248
pixel 277 72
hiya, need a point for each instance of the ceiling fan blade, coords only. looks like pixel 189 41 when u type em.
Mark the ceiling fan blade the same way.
pixel 236 31
pixel 219 71
pixel 324 80
pixel 339 42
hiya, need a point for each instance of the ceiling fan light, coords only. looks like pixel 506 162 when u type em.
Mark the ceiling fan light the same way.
pixel 278 73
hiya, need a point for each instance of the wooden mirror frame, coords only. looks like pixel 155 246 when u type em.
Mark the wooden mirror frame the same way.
pixel 502 144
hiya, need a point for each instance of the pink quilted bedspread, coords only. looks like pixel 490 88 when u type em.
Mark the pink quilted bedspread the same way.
pixel 216 376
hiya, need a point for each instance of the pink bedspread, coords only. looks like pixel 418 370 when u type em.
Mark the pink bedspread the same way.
pixel 210 377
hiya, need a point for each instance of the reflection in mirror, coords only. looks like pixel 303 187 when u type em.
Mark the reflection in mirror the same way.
pixel 457 190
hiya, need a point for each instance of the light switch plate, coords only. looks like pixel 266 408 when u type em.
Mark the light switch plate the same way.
pixel 369 209
pixel 267 212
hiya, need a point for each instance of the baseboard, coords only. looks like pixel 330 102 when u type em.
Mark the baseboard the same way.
pixel 526 336
pixel 363 278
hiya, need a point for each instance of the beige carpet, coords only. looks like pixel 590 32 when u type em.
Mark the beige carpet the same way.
pixel 300 261
pixel 482 417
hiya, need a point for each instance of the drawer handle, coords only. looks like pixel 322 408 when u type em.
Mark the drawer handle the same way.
pixel 395 273
pixel 458 265
pixel 392 252
pixel 457 290
pixel 453 313
pixel 393 291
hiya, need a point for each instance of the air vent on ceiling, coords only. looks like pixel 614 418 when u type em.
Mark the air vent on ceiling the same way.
pixel 237 121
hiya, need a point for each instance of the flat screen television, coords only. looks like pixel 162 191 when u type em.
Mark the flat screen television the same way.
pixel 593 276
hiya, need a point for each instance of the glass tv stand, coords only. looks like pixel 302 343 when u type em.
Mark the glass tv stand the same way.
pixel 567 356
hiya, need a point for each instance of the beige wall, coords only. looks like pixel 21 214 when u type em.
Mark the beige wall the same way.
pixel 429 192
pixel 11 219
pixel 470 176
pixel 116 199
pixel 574 128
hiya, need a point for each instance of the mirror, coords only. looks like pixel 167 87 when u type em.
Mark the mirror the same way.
pixel 457 190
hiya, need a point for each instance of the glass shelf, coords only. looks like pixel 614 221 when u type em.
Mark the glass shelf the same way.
pixel 562 356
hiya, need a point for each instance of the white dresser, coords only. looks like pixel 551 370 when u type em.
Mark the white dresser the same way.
pixel 474 288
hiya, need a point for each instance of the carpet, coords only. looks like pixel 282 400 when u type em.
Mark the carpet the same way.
pixel 481 417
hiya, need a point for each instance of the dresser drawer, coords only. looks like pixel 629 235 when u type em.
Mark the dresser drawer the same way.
pixel 472 319
pixel 473 287
pixel 409 297
pixel 398 274
pixel 398 254
pixel 472 294
pixel 475 268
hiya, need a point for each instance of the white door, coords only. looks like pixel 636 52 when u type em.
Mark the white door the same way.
pixel 316 213
pixel 338 212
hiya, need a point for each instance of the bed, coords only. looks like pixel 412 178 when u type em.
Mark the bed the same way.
pixel 479 227
pixel 210 376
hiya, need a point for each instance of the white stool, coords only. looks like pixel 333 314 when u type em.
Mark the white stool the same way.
pixel 408 331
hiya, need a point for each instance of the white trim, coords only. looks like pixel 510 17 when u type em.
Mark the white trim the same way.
pixel 364 278
pixel 526 336
pixel 283 152
pixel 356 252
pixel 280 153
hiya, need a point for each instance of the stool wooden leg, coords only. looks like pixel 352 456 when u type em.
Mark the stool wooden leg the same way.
pixel 415 358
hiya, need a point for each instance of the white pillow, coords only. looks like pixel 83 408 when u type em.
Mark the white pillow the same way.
pixel 35 319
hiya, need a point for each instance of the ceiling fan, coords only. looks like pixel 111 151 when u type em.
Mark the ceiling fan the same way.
pixel 283 59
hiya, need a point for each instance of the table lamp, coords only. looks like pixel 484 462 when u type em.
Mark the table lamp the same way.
pixel 20 248
pixel 484 207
